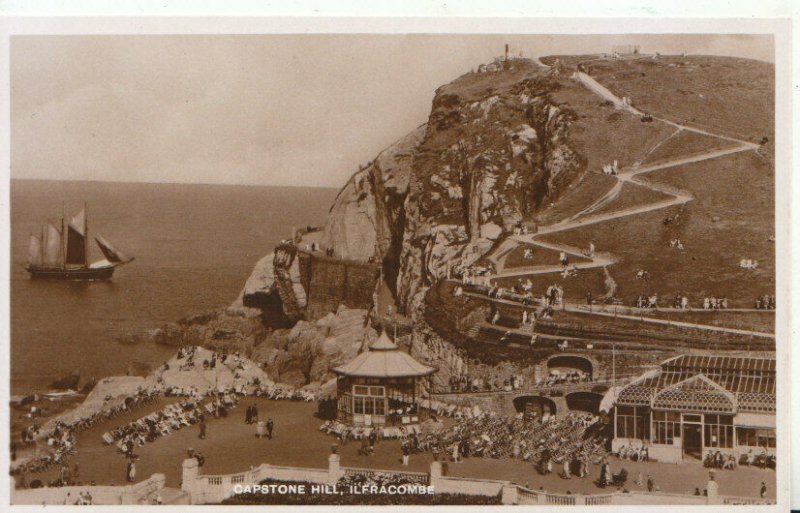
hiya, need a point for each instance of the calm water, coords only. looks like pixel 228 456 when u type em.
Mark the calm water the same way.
pixel 195 246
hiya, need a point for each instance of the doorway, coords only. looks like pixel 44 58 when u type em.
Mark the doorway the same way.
pixel 693 440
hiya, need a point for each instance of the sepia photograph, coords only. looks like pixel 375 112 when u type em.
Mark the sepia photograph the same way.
pixel 394 269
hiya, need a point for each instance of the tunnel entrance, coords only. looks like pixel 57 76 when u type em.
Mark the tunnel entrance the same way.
pixel 535 405
pixel 570 365
pixel 584 401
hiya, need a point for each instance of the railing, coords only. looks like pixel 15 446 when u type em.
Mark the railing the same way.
pixel 599 500
pixel 746 501
pixel 526 496
pixel 561 500
pixel 412 477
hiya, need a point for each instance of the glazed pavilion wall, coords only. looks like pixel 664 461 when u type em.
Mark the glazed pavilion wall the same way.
pixel 673 436
pixel 377 401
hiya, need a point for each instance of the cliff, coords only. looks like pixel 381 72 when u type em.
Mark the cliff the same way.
pixel 494 149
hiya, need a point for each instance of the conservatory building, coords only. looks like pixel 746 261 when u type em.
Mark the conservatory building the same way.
pixel 381 386
pixel 695 404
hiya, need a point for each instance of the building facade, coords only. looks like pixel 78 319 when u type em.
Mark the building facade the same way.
pixel 381 387
pixel 695 404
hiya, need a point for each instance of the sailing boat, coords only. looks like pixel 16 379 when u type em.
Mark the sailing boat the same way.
pixel 54 255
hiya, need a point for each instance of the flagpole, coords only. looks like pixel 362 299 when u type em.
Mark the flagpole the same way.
pixel 613 365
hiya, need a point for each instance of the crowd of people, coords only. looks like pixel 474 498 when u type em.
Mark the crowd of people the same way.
pixel 171 418
pixel 720 460
pixel 634 452
pixel 60 440
pixel 647 301
pixel 463 383
pixel 765 303
pixel 573 440
pixel 713 303
pixel 762 460
pixel 60 435
pixel 748 263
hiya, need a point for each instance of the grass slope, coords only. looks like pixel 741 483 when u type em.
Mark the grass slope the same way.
pixel 709 264
pixel 633 195
pixel 731 96
pixel 684 143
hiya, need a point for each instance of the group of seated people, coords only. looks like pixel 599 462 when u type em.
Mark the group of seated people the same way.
pixel 345 433
pixel 61 438
pixel 171 418
pixel 465 383
pixel 528 437
pixel 186 357
pixel 681 302
pixel 718 459
pixel 765 303
pixel 60 444
pixel 558 378
pixel 713 303
pixel 761 460
pixel 454 411
pixel 634 452
pixel 643 301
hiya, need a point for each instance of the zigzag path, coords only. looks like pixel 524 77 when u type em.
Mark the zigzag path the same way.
pixel 588 215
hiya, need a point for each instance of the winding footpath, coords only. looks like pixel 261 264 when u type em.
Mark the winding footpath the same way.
pixel 589 215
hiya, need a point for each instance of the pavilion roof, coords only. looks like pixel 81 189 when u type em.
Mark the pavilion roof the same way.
pixel 706 383
pixel 384 360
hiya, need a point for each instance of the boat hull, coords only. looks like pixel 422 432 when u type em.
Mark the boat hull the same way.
pixel 81 274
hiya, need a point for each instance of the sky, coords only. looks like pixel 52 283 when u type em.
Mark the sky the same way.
pixel 299 110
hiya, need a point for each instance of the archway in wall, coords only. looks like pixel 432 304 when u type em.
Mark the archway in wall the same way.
pixel 584 401
pixel 534 404
pixel 566 364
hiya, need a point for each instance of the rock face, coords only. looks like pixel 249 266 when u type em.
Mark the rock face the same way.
pixel 491 156
pixel 367 219
pixel 274 289
pixel 494 149
pixel 306 353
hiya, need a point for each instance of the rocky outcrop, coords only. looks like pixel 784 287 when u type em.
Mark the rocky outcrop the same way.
pixel 274 289
pixel 489 158
pixel 306 353
pixel 367 220
pixel 218 330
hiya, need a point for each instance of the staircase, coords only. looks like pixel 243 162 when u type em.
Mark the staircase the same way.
pixel 283 281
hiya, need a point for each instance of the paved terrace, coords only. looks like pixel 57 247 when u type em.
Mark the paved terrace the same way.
pixel 231 447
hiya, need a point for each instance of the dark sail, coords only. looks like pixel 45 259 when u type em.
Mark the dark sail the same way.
pixel 76 240
pixel 112 254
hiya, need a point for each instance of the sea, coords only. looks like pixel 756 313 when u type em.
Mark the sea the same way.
pixel 194 247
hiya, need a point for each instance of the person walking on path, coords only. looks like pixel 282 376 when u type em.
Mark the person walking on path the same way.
pixel 202 434
pixel 406 453
pixel 763 489
pixel 270 425
pixel 651 485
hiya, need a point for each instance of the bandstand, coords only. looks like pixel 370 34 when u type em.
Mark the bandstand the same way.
pixel 381 386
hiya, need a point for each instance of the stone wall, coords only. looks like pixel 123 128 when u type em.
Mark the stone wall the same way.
pixel 138 493
pixel 332 282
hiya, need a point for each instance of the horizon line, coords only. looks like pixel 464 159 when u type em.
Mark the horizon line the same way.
pixel 129 182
